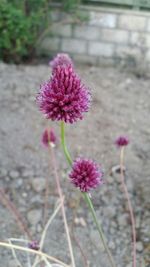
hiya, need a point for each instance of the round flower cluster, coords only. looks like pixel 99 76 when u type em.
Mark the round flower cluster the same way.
pixel 86 174
pixel 64 97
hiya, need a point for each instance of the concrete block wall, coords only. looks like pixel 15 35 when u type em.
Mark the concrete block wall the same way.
pixel 106 36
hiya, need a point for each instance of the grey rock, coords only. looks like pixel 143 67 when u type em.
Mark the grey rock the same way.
pixel 116 170
pixel 39 228
pixel 36 199
pixel 7 178
pixel 129 184
pixel 3 172
pixel 14 174
pixel 34 216
pixel 138 222
pixel 139 246
pixel 105 199
pixel 18 183
pixel 24 194
pixel 110 180
pixel 13 263
pixel 110 211
pixel 27 173
pixel 38 184
pixel 112 231
pixel 122 219
pixel 111 245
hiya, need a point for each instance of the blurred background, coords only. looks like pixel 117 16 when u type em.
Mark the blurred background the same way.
pixel 91 31
pixel 109 42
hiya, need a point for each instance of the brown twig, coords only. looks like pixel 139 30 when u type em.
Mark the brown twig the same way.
pixel 46 200
pixel 12 208
pixel 85 262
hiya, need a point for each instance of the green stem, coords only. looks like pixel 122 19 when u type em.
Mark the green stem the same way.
pixel 86 197
pixel 91 208
pixel 66 152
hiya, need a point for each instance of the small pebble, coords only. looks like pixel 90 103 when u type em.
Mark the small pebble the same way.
pixel 116 170
pixel 38 184
pixel 18 183
pixel 36 199
pixel 39 228
pixel 110 180
pixel 24 194
pixel 13 263
pixel 14 174
pixel 80 221
pixel 34 216
pixel 7 179
pixel 112 231
pixel 3 172
pixel 122 219
pixel 28 173
pixel 111 245
pixel 110 211
pixel 129 184
pixel 139 246
pixel 138 222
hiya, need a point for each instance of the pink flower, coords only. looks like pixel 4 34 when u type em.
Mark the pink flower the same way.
pixel 86 174
pixel 122 141
pixel 60 60
pixel 48 137
pixel 64 97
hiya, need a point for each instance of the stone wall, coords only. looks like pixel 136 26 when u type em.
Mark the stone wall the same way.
pixel 104 36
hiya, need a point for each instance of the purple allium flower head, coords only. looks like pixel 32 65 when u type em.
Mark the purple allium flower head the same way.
pixel 122 141
pixel 34 245
pixel 64 97
pixel 60 60
pixel 48 137
pixel 86 174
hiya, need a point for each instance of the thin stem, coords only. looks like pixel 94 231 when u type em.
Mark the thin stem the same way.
pixel 37 252
pixel 63 142
pixel 91 207
pixel 46 200
pixel 62 206
pixel 45 232
pixel 48 224
pixel 129 205
pixel 14 255
pixel 86 197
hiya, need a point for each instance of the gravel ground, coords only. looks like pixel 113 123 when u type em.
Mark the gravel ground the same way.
pixel 120 106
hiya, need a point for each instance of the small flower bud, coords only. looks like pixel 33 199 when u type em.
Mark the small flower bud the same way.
pixel 122 141
pixel 34 245
pixel 49 138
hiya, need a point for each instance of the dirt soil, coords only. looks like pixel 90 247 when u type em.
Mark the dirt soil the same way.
pixel 121 105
